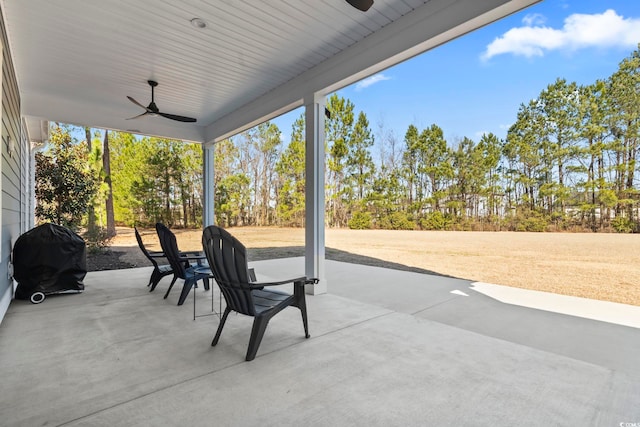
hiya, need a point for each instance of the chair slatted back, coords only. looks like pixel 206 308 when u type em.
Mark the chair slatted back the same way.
pixel 170 248
pixel 143 249
pixel 228 262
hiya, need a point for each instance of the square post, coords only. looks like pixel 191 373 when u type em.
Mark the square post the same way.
pixel 314 193
pixel 208 187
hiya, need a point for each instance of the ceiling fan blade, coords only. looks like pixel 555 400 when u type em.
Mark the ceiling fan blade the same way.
pixel 178 118
pixel 138 116
pixel 137 103
pixel 362 5
pixel 152 109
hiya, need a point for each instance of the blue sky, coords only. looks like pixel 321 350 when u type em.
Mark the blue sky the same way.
pixel 476 83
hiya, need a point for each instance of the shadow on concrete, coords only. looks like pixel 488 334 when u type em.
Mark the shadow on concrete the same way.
pixel 121 257
pixel 260 254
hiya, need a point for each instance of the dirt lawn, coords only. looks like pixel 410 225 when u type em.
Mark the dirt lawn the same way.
pixel 598 266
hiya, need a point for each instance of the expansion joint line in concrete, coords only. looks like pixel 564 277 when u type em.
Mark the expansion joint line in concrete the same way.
pixel 433 306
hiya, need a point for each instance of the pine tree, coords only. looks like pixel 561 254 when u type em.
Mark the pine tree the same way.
pixel 291 177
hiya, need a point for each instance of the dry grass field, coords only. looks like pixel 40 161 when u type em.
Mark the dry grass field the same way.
pixel 598 266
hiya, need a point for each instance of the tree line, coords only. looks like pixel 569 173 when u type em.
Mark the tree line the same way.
pixel 569 162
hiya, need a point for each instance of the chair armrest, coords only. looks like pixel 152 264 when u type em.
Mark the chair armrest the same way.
pixel 193 253
pixel 203 270
pixel 156 254
pixel 259 285
pixel 184 257
pixel 197 256
pixel 281 282
pixel 298 280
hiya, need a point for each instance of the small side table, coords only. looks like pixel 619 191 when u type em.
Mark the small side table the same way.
pixel 207 270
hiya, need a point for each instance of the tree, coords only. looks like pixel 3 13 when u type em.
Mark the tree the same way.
pixel 359 161
pixel 190 184
pixel 96 208
pixel 233 200
pixel 263 142
pixel 232 185
pixel 291 178
pixel 387 191
pixel 64 185
pixel 559 106
pixel 128 165
pixel 593 130
pixel 435 164
pixel 338 131
pixel 156 180
pixel 410 164
pixel 426 166
pixel 623 90
pixel 467 178
pixel 106 162
pixel 91 214
pixel 490 149
pixel 525 156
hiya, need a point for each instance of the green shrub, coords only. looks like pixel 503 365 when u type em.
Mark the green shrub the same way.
pixel 397 221
pixel 531 221
pixel 360 221
pixel 622 225
pixel 435 221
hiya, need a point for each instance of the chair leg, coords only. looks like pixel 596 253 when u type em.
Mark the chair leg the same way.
pixel 257 332
pixel 153 275
pixel 220 326
pixel 154 280
pixel 303 311
pixel 188 284
pixel 171 286
pixel 206 283
pixel 301 303
pixel 155 284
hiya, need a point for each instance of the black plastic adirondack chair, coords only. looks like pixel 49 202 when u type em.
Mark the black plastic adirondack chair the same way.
pixel 159 271
pixel 228 262
pixel 179 262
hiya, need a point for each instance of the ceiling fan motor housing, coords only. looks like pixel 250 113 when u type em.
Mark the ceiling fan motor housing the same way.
pixel 153 110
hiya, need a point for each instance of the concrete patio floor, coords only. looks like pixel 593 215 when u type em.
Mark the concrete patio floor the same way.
pixel 387 348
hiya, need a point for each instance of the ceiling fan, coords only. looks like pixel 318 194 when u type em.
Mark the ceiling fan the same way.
pixel 153 110
pixel 362 5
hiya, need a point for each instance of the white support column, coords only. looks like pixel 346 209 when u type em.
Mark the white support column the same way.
pixel 207 184
pixel 314 193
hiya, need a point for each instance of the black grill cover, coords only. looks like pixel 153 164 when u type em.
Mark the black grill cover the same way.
pixel 49 259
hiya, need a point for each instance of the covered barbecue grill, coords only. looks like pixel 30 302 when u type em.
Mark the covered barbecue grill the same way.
pixel 49 259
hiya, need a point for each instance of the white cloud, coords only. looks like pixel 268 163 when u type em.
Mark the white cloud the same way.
pixel 371 81
pixel 579 31
pixel 534 19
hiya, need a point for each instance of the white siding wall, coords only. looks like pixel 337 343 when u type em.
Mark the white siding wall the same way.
pixel 14 185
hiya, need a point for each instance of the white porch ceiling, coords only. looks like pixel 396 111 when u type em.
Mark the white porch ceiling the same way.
pixel 77 60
